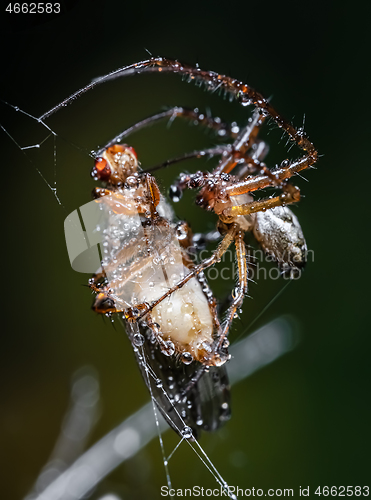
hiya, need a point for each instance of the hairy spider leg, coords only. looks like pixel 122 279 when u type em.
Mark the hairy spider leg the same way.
pixel 232 154
pixel 286 198
pixel 244 94
pixel 244 141
pixel 207 152
pixel 192 115
pixel 242 287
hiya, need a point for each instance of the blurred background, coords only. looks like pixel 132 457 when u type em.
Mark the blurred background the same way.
pixel 303 420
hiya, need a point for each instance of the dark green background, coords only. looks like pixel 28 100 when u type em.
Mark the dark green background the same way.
pixel 305 419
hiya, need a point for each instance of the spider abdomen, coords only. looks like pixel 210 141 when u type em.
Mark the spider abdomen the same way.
pixel 280 234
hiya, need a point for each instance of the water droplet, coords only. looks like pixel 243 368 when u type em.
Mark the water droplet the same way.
pixel 187 432
pixel 175 193
pixel 138 339
pixel 156 328
pixel 168 348
pixel 186 358
pixel 187 308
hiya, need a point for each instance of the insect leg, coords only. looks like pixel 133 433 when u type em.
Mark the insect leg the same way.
pixel 97 283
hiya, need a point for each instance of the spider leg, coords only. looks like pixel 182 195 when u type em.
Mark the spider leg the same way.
pixel 240 290
pixel 244 94
pixel 193 115
pixel 244 141
pixel 232 155
pixel 291 194
pixel 283 172
pixel 218 150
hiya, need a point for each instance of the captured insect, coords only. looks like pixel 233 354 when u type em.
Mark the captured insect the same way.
pixel 144 256
pixel 147 276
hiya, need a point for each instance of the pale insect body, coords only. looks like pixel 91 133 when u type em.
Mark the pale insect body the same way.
pixel 143 258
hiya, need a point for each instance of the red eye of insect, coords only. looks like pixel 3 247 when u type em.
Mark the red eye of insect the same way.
pixel 101 169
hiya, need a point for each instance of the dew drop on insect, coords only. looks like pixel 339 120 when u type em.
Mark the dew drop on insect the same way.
pixel 175 194
pixel 187 308
pixel 131 181
pixel 199 421
pixel 156 328
pixel 186 358
pixel 168 348
pixel 158 383
pixel 187 432
pixel 219 361
pixel 138 339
